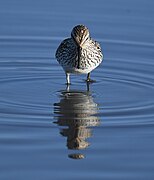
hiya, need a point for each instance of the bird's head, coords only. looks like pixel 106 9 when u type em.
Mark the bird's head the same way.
pixel 80 34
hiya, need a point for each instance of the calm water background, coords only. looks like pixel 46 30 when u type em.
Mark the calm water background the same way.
pixel 47 132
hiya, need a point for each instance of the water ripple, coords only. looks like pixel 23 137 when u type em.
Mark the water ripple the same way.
pixel 122 82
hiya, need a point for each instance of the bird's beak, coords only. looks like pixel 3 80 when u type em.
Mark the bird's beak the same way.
pixel 79 55
pixel 79 42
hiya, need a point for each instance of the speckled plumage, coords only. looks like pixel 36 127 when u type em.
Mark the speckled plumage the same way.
pixel 80 53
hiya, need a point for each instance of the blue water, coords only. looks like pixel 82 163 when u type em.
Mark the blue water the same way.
pixel 48 131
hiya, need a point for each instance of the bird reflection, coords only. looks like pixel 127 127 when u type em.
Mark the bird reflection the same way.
pixel 77 112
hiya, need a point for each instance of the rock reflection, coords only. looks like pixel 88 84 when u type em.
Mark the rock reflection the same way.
pixel 77 111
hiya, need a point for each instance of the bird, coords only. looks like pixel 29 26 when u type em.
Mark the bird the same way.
pixel 79 54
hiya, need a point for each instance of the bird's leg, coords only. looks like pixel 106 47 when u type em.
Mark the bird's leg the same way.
pixel 68 78
pixel 67 87
pixel 88 77
pixel 89 80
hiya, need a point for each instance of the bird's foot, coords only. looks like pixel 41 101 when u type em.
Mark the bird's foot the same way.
pixel 68 84
pixel 90 80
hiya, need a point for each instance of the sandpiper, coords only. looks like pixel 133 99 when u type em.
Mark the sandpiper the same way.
pixel 79 54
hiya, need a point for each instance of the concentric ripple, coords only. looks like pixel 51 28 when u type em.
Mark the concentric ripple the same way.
pixel 124 86
pixel 127 85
